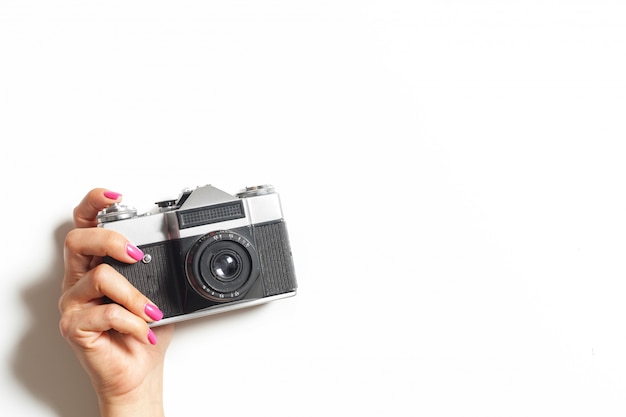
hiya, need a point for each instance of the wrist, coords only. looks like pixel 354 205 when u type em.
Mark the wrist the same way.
pixel 146 400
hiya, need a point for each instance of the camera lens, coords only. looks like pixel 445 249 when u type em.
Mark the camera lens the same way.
pixel 222 266
pixel 225 266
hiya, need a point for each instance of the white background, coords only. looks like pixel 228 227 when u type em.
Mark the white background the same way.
pixel 452 174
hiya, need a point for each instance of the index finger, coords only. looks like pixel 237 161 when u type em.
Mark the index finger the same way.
pixel 87 210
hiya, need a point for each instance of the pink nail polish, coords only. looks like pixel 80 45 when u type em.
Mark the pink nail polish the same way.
pixel 112 195
pixel 134 252
pixel 151 337
pixel 153 312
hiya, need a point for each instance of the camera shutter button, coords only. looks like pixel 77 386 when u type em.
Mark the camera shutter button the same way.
pixel 116 212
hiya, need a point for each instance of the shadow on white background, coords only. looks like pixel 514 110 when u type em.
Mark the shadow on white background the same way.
pixel 43 361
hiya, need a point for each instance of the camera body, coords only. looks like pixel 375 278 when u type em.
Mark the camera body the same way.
pixel 207 251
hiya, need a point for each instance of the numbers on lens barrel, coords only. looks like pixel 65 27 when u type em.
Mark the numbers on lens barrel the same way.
pixel 231 236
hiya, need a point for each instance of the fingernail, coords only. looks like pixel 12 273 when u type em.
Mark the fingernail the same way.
pixel 153 312
pixel 112 195
pixel 151 337
pixel 134 252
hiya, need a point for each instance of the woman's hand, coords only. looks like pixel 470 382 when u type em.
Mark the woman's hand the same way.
pixel 121 354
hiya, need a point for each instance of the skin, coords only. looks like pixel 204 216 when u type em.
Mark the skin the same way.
pixel 111 340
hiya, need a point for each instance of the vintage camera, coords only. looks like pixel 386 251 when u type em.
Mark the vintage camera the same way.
pixel 207 251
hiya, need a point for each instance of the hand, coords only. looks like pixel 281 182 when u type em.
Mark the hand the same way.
pixel 122 355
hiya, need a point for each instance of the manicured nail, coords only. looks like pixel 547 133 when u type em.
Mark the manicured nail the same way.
pixel 134 252
pixel 151 337
pixel 112 195
pixel 153 312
